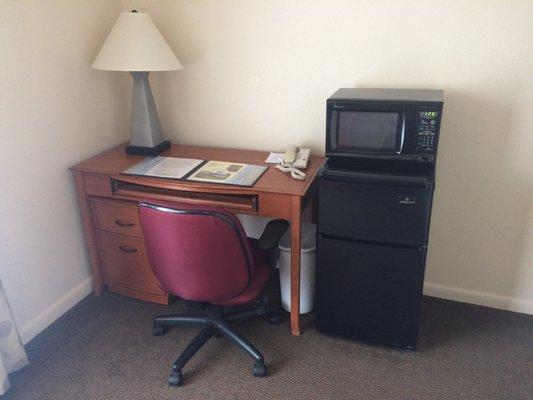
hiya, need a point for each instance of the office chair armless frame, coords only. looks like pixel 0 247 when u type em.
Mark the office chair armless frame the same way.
pixel 216 323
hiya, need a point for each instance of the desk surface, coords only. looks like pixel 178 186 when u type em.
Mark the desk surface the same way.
pixel 115 160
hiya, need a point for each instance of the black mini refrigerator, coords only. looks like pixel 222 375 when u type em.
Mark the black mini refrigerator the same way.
pixel 374 209
pixel 371 251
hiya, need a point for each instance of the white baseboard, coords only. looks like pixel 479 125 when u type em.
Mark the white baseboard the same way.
pixel 69 300
pixel 479 298
pixel 56 310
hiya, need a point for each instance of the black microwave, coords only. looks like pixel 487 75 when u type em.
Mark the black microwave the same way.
pixel 383 123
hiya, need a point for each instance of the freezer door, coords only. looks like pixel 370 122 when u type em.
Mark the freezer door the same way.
pixel 379 213
pixel 369 292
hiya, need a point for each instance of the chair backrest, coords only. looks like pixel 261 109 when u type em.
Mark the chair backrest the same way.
pixel 197 253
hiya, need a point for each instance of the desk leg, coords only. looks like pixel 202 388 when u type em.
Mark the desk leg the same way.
pixel 89 233
pixel 296 220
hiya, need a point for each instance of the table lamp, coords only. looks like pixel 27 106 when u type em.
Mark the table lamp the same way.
pixel 136 45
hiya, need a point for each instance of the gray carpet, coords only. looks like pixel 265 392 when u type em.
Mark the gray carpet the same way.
pixel 103 349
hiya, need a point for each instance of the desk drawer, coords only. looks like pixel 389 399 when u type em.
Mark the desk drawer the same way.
pixel 117 216
pixel 125 263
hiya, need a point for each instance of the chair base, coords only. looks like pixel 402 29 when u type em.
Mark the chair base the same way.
pixel 216 324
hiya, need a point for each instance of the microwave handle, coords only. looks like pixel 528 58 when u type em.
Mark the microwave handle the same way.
pixel 402 139
pixel 333 127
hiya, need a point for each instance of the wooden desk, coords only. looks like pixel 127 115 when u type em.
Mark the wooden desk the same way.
pixel 108 204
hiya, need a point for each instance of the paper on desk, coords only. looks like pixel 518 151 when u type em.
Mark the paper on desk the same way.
pixel 228 172
pixel 164 167
pixel 274 158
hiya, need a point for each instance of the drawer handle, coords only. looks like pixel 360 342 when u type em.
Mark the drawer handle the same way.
pixel 127 249
pixel 123 224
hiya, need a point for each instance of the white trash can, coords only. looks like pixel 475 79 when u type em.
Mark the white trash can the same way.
pixel 307 268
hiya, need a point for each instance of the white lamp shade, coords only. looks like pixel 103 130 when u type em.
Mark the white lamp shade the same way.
pixel 135 44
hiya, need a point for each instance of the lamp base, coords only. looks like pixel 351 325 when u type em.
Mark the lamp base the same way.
pixel 148 151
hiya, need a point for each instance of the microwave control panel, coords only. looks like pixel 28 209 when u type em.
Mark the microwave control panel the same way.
pixel 427 128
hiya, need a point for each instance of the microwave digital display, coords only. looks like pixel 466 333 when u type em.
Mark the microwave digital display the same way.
pixel 428 114
pixel 368 131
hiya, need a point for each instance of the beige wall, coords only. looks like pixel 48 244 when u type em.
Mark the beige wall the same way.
pixel 257 74
pixel 54 112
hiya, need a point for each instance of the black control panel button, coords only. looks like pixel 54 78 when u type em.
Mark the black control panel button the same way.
pixel 426 130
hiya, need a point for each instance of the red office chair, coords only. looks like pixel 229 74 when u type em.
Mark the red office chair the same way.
pixel 202 255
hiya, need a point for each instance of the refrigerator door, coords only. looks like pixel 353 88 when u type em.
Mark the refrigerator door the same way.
pixel 369 292
pixel 375 211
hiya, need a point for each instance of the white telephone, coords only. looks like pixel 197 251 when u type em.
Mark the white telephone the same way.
pixel 297 157
pixel 293 159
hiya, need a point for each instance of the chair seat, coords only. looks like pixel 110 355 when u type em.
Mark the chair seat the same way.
pixel 259 281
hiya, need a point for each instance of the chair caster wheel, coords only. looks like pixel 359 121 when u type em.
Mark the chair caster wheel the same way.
pixel 275 319
pixel 259 370
pixel 158 330
pixel 175 379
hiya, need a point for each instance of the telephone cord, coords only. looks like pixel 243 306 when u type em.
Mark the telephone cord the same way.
pixel 295 172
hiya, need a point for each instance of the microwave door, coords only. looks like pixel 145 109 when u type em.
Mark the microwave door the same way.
pixel 360 131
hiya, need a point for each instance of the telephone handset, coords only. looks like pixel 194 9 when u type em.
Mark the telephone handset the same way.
pixel 293 159
pixel 297 157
